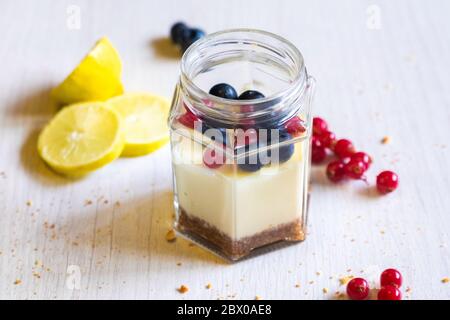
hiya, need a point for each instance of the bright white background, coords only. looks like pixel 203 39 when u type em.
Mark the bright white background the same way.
pixel 382 69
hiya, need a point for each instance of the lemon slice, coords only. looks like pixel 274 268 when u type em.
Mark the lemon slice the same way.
pixel 81 138
pixel 97 77
pixel 144 121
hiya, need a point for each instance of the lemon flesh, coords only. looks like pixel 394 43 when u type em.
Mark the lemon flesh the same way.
pixel 81 138
pixel 97 77
pixel 144 118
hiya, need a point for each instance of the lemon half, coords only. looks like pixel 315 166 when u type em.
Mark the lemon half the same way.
pixel 81 138
pixel 144 118
pixel 97 77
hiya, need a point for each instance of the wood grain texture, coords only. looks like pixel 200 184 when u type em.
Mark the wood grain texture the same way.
pixel 392 81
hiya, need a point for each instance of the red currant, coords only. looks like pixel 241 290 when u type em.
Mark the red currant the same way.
pixel 389 293
pixel 344 148
pixel 188 119
pixel 319 125
pixel 358 289
pixel 214 158
pixel 318 152
pixel 335 171
pixel 391 277
pixel 295 126
pixel 328 139
pixel 355 169
pixel 364 157
pixel 387 181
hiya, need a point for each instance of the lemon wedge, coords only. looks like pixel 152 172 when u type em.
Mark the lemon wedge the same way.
pixel 81 138
pixel 97 77
pixel 144 118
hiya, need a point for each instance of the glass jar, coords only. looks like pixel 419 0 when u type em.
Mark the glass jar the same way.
pixel 241 167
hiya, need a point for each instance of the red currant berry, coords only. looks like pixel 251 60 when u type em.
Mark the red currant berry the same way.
pixel 328 139
pixel 344 148
pixel 389 293
pixel 355 169
pixel 295 126
pixel 391 277
pixel 188 119
pixel 387 181
pixel 319 125
pixel 358 289
pixel 318 152
pixel 335 171
pixel 214 158
pixel 364 157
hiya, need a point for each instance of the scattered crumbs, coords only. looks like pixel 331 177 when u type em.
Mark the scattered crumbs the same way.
pixel 318 273
pixel 330 277
pixel 445 280
pixel 208 286
pixel 29 203
pixel 36 275
pixel 352 240
pixel 311 282
pixel 339 295
pixel 382 232
pixel 87 202
pixel 75 243
pixel 345 280
pixel 191 244
pixel 171 236
pixel 179 264
pixel 117 203
pixel 349 270
pixel 183 289
pixel 17 282
pixel 385 140
pixel 38 263
pixel 325 290
pixel 105 201
pixel 408 289
pixel 258 297
pixel 297 285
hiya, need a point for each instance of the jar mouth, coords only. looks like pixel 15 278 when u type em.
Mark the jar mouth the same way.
pixel 282 47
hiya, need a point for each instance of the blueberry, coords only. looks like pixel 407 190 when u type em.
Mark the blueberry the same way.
pixel 190 36
pixel 216 134
pixel 178 31
pixel 250 167
pixel 284 152
pixel 223 90
pixel 250 163
pixel 251 95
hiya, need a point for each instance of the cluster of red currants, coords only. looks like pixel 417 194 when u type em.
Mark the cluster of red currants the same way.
pixel 390 281
pixel 350 163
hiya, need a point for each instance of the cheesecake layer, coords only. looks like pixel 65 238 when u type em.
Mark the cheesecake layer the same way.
pixel 236 204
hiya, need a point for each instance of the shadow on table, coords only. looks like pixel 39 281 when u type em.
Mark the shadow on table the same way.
pixel 35 110
pixel 164 48
pixel 132 230
pixel 36 104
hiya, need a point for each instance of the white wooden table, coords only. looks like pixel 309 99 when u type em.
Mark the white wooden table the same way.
pixel 382 69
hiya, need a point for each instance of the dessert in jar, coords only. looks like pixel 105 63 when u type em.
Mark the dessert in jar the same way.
pixel 240 136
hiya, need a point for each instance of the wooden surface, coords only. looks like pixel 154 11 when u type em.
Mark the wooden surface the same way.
pixel 382 70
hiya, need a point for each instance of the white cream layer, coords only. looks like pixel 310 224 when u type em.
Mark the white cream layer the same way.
pixel 238 204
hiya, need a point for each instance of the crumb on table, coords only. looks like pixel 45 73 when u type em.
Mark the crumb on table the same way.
pixel 171 236
pixel 183 289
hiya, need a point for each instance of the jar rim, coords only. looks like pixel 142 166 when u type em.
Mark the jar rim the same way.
pixel 298 82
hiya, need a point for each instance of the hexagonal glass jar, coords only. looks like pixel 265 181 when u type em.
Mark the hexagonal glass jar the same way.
pixel 241 167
